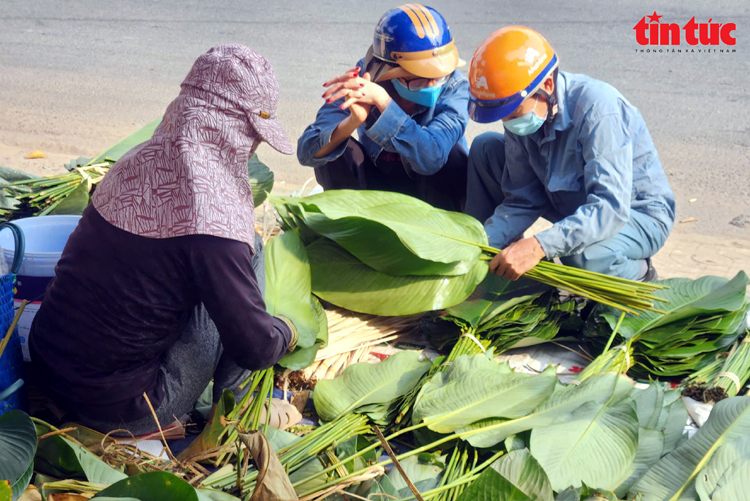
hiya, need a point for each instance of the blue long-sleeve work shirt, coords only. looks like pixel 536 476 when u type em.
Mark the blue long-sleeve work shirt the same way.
pixel 591 166
pixel 424 140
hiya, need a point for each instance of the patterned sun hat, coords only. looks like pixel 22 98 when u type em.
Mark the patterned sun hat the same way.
pixel 245 78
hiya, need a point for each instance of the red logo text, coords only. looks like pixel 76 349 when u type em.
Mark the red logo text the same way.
pixel 655 32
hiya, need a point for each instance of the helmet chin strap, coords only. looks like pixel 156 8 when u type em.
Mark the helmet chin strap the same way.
pixel 551 99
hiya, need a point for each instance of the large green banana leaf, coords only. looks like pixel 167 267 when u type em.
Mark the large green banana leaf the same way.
pixel 288 288
pixel 62 457
pixel 734 484
pixel 687 298
pixel 362 384
pixel 650 449
pixel 478 388
pixel 301 358
pixel 598 388
pixel 261 179
pixel 492 486
pixel 393 233
pixel 661 418
pixel 151 486
pixel 720 470
pixel 425 475
pixel 18 444
pixel 649 405
pixel 676 418
pixel 342 279
pixel 594 445
pixel 673 477
pixel 524 471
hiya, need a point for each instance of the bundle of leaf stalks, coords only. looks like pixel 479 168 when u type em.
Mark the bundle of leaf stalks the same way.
pixel 361 243
pixel 61 194
pixel 725 377
pixel 704 317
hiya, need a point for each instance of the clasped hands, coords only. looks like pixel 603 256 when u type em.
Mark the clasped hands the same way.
pixel 359 94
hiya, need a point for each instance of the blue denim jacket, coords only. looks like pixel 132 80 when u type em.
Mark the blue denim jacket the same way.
pixel 592 165
pixel 424 140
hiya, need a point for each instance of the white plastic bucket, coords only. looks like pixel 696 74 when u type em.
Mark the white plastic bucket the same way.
pixel 45 239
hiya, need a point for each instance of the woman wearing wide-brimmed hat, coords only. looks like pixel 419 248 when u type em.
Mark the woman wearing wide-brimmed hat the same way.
pixel 159 289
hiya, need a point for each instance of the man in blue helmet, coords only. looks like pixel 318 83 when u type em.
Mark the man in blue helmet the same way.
pixel 409 106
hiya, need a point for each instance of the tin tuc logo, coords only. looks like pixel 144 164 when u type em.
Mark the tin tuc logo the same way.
pixel 655 32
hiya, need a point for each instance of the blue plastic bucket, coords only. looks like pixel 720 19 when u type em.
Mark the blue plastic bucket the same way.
pixel 45 238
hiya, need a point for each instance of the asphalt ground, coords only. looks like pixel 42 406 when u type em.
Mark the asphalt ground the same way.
pixel 76 77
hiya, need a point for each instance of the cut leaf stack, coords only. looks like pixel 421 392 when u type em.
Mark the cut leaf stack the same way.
pixel 703 318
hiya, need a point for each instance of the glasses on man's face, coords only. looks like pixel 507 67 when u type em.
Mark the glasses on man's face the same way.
pixel 421 83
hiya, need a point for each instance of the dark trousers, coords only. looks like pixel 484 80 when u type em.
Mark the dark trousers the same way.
pixel 353 170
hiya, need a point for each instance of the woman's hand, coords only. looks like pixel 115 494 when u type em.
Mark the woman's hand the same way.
pixel 518 258
pixel 360 93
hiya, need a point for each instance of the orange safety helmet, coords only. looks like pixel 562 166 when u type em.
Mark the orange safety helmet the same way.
pixel 509 66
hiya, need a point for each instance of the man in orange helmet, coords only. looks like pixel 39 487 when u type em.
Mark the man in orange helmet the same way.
pixel 575 151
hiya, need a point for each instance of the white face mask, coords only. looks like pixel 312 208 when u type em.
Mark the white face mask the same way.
pixel 526 124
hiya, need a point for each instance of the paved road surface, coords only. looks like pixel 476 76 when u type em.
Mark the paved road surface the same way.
pixel 75 77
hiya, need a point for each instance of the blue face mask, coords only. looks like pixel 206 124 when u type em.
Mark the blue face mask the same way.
pixel 525 124
pixel 425 97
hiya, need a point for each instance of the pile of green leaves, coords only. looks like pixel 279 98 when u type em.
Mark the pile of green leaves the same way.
pixel 521 436
pixel 711 466
pixel 601 432
pixel 54 195
pixel 511 314
pixel 498 316
pixel 362 243
pixel 386 253
pixel 704 317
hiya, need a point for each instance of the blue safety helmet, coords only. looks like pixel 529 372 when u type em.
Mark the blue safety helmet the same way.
pixel 417 39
